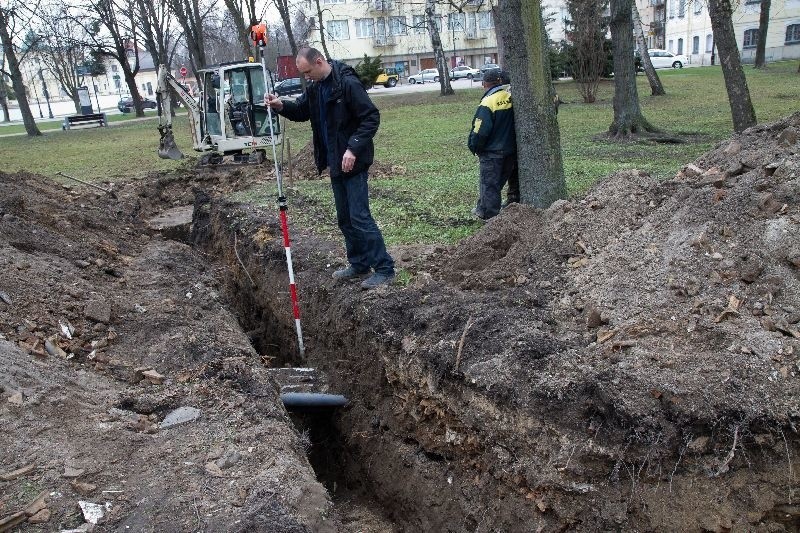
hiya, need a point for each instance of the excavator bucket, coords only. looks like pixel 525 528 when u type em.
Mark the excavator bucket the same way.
pixel 167 149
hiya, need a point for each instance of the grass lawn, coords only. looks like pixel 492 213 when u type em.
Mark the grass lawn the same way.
pixel 425 134
pixel 48 124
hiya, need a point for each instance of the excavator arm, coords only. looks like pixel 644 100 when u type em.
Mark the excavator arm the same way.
pixel 167 149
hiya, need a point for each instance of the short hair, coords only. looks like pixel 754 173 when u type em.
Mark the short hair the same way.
pixel 310 54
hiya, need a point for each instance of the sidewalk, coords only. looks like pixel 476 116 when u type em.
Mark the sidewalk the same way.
pixel 74 128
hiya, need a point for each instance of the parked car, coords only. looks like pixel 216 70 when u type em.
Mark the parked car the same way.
pixel 489 66
pixel 429 74
pixel 665 59
pixel 125 105
pixel 464 72
pixel 388 77
pixel 288 87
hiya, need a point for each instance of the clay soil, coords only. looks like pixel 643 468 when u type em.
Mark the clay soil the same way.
pixel 627 360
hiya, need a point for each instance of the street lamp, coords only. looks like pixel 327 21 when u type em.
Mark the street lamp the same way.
pixel 46 94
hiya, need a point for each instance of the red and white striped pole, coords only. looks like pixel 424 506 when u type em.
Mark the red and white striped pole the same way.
pixel 259 37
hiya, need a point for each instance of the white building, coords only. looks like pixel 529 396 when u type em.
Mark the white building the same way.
pixel 687 28
pixel 396 30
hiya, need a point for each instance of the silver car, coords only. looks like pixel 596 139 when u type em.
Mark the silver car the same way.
pixel 429 74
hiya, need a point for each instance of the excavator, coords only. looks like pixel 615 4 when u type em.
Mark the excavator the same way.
pixel 229 122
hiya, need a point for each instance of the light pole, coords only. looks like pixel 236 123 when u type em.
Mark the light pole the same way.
pixel 46 94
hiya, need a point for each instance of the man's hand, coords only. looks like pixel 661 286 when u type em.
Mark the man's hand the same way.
pixel 273 101
pixel 348 161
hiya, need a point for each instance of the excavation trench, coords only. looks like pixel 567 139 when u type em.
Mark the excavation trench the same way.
pixel 481 402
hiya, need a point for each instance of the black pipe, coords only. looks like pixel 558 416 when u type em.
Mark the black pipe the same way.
pixel 300 400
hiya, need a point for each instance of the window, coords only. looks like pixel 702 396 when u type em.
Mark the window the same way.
pixel 681 8
pixel 670 45
pixel 420 26
pixel 113 68
pixel 750 38
pixel 696 44
pixel 698 7
pixel 709 43
pixel 793 34
pixel 338 29
pixel 380 28
pixel 397 25
pixel 485 21
pixel 680 46
pixel 671 9
pixel 456 22
pixel 364 28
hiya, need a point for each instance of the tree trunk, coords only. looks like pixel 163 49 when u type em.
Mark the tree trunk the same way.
pixel 541 170
pixel 286 17
pixel 16 76
pixel 742 110
pixel 445 89
pixel 656 89
pixel 501 47
pixel 322 31
pixel 242 28
pixel 763 26
pixel 628 118
pixel 4 96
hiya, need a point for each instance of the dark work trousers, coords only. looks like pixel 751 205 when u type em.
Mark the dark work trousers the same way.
pixel 362 238
pixel 495 170
pixel 512 193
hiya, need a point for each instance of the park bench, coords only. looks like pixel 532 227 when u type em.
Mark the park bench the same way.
pixel 91 118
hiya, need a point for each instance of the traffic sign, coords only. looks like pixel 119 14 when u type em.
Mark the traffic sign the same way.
pixel 183 72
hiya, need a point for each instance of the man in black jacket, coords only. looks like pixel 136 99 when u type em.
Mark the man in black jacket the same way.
pixel 343 120
pixel 493 139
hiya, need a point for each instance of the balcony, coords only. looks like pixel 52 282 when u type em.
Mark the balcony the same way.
pixel 472 34
pixel 381 6
pixel 656 3
pixel 384 40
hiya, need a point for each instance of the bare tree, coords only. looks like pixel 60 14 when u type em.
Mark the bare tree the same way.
pixel 118 38
pixel 742 110
pixel 541 170
pixel 445 88
pixel 588 36
pixel 763 26
pixel 628 118
pixel 13 16
pixel 191 16
pixel 284 10
pixel 656 89
pixel 63 47
pixel 321 27
pixel 244 16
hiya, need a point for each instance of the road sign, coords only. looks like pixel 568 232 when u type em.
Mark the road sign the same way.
pixel 183 72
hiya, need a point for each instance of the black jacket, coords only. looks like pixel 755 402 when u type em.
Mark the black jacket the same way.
pixel 493 126
pixel 352 120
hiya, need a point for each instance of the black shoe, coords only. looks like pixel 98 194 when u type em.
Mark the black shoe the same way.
pixel 349 273
pixel 376 280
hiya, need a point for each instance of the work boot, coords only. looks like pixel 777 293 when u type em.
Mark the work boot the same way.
pixel 376 280
pixel 477 214
pixel 349 272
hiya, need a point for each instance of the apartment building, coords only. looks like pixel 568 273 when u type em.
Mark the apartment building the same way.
pixel 396 30
pixel 684 27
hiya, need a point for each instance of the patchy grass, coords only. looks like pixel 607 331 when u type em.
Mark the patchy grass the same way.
pixel 425 134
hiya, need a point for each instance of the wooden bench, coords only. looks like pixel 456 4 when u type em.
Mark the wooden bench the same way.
pixel 78 120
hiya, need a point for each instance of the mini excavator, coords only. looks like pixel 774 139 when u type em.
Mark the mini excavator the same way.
pixel 229 121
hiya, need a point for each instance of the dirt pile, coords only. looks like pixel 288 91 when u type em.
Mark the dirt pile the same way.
pixel 626 360
pixel 125 384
